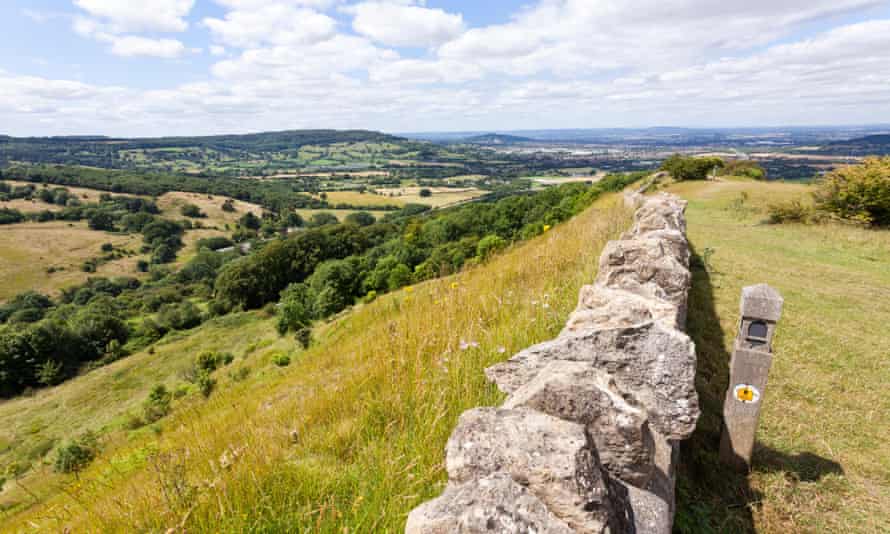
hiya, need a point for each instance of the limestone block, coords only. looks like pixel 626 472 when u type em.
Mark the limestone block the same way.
pixel 491 504
pixel 602 307
pixel 648 268
pixel 655 362
pixel 661 212
pixel 553 458
pixel 577 392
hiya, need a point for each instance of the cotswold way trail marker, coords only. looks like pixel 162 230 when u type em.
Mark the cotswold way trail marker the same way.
pixel 752 357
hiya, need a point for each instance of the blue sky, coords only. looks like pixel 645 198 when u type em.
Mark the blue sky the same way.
pixel 161 67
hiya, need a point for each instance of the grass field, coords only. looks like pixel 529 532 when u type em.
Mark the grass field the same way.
pixel 84 194
pixel 822 463
pixel 441 196
pixel 27 250
pixel 28 206
pixel 352 433
pixel 362 199
pixel 307 214
pixel 210 205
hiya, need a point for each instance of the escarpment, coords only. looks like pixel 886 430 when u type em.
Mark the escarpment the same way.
pixel 588 439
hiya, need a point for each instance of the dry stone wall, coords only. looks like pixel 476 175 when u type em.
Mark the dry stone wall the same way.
pixel 588 439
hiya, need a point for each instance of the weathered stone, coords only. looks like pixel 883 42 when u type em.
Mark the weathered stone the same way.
pixel 577 392
pixel 553 458
pixel 602 307
pixel 660 212
pixel 646 267
pixel 664 478
pixel 675 242
pixel 655 362
pixel 639 511
pixel 492 504
pixel 762 302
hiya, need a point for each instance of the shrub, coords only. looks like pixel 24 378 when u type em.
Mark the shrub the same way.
pixel 361 218
pixel 304 337
pixel 228 206
pixel 488 245
pixel 690 168
pixel 75 455
pixel 281 360
pixel 858 193
pixel 157 405
pixel 190 210
pixel 107 247
pixel 240 375
pixel 790 212
pixel 49 373
pixel 425 193
pixel 205 383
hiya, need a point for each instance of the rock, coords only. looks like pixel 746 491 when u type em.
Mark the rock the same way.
pixel 602 307
pixel 655 362
pixel 577 392
pixel 640 511
pixel 673 241
pixel 492 504
pixel 660 212
pixel 646 267
pixel 553 458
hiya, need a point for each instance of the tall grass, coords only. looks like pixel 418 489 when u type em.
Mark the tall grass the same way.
pixel 350 436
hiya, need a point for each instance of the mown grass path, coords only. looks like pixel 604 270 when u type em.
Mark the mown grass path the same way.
pixel 822 463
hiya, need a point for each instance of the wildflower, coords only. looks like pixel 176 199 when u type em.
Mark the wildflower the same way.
pixel 454 285
pixel 409 289
pixel 546 306
pixel 502 350
pixel 547 227
pixel 464 345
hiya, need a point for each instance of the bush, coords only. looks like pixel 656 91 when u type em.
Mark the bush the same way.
pixel 790 212
pixel 858 193
pixel 157 405
pixel 74 456
pixel 690 168
pixel 281 360
pixel 488 245
pixel 304 337
pixel 107 247
pixel 228 206
pixel 205 383
pixel 190 210
pixel 361 218
pixel 425 193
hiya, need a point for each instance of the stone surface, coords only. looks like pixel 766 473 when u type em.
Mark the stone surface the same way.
pixel 553 458
pixel 602 307
pixel 646 267
pixel 577 392
pixel 640 511
pixel 492 504
pixel 675 242
pixel 761 302
pixel 660 212
pixel 656 363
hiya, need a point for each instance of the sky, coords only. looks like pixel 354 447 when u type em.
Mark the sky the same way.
pixel 195 67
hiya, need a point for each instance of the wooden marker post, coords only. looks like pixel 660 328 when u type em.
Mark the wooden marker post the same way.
pixel 752 357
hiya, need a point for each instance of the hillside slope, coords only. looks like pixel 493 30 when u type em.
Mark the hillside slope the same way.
pixel 351 433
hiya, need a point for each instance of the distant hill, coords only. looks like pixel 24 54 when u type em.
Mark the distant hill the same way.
pixel 497 139
pixel 874 140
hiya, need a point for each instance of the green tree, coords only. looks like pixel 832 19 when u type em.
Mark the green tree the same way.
pixel 360 218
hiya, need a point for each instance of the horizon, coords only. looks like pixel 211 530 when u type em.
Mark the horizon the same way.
pixel 207 67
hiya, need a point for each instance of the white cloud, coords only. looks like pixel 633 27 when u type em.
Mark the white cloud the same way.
pixel 397 24
pixel 132 45
pixel 559 63
pixel 275 23
pixel 124 16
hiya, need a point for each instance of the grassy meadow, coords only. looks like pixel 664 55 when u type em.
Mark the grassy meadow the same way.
pixel 351 434
pixel 821 463
pixel 28 250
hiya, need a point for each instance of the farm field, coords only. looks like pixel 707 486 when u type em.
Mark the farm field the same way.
pixel 307 214
pixel 441 196
pixel 821 463
pixel 362 199
pixel 27 250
